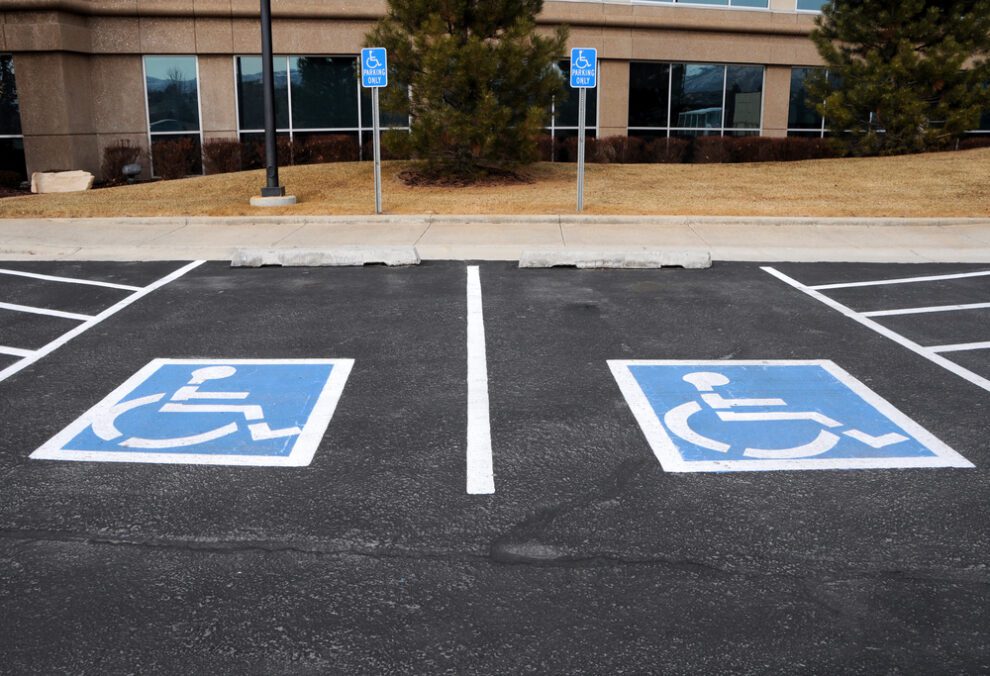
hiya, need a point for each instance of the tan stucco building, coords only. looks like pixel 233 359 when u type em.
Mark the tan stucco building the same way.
pixel 91 72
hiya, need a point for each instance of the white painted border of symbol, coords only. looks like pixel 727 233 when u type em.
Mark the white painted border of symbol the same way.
pixel 670 459
pixel 300 456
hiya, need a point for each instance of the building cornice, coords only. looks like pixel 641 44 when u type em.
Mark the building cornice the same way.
pixel 572 13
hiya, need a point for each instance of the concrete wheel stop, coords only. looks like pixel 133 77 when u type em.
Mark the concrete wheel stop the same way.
pixel 340 256
pixel 615 258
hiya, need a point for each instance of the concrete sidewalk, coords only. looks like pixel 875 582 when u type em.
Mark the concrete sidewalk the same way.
pixel 504 237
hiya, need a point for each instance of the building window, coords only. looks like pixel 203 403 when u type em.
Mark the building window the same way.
pixel 694 99
pixel 749 4
pixel 802 118
pixel 810 5
pixel 11 136
pixel 315 97
pixel 564 113
pixel 172 89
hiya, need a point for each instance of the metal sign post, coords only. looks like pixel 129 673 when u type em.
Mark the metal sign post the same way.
pixel 584 76
pixel 374 75
pixel 582 107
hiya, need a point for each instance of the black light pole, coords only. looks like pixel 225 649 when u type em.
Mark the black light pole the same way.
pixel 272 187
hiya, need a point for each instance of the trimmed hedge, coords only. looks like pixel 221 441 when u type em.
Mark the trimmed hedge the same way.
pixel 116 156
pixel 221 156
pixel 675 150
pixel 176 157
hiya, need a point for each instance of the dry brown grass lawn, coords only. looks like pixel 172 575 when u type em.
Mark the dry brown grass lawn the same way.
pixel 938 184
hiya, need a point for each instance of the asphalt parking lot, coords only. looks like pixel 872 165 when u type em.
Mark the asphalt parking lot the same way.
pixel 601 549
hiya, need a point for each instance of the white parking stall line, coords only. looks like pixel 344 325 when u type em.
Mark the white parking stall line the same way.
pixel 924 310
pixel 69 280
pixel 44 311
pixel 93 321
pixel 480 474
pixel 901 280
pixel 15 351
pixel 959 347
pixel 926 352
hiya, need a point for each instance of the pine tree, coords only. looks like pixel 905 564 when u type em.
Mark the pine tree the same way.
pixel 480 80
pixel 904 75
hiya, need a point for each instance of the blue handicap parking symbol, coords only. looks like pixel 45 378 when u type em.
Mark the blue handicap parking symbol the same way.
pixel 205 411
pixel 374 67
pixel 711 416
pixel 584 68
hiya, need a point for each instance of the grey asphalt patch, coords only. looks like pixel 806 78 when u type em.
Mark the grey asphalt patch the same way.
pixel 31 331
pixel 942 328
pixel 914 294
pixel 131 273
pixel 813 274
pixel 588 558
pixel 53 295
pixel 977 361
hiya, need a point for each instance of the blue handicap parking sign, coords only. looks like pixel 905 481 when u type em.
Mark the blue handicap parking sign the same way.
pixel 210 411
pixel 584 68
pixel 711 416
pixel 374 67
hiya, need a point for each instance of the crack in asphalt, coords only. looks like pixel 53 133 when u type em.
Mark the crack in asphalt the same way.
pixel 596 560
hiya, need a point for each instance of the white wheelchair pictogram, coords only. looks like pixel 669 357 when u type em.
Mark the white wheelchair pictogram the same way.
pixel 677 420
pixel 582 61
pixel 372 61
pixel 104 422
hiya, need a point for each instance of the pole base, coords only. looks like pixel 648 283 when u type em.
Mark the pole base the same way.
pixel 273 191
pixel 278 201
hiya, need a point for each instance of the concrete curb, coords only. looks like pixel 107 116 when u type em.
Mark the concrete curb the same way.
pixel 559 219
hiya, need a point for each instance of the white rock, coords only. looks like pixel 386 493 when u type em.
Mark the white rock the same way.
pixel 61 181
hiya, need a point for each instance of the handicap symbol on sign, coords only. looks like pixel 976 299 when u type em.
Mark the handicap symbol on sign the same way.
pixel 372 61
pixel 240 411
pixel 582 61
pixel 765 415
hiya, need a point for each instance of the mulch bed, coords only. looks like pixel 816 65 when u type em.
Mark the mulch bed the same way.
pixel 12 192
pixel 487 176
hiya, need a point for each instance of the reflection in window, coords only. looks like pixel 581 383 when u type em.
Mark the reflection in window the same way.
pixel 251 95
pixel 743 96
pixel 802 118
pixel 761 4
pixel 319 103
pixel 692 99
pixel 696 95
pixel 11 138
pixel 649 85
pixel 565 113
pixel 10 113
pixel 173 103
pixel 324 95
